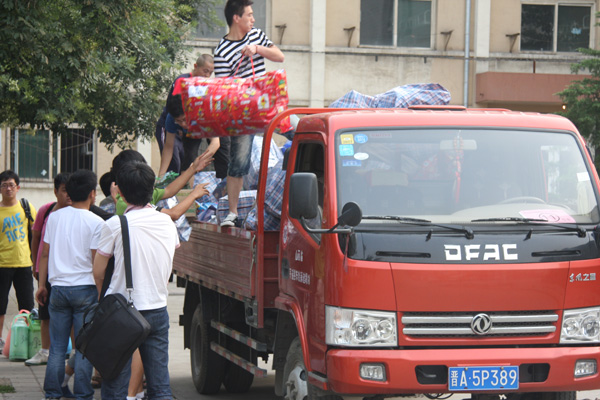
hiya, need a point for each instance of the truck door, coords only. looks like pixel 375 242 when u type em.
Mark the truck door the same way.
pixel 303 256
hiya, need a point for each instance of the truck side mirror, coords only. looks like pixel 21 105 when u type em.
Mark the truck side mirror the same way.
pixel 351 215
pixel 304 196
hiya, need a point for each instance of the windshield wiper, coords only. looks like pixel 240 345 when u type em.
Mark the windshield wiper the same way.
pixel 397 218
pixel 509 219
pixel 581 232
pixel 422 222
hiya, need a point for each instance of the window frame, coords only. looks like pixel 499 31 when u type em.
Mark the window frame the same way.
pixel 557 4
pixel 54 152
pixel 432 30
pixel 267 18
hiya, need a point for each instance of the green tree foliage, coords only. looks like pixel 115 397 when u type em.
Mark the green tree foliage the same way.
pixel 582 98
pixel 103 64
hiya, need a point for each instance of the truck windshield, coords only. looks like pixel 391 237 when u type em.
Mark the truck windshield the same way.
pixel 460 175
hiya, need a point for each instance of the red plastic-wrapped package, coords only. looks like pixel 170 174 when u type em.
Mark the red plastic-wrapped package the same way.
pixel 233 106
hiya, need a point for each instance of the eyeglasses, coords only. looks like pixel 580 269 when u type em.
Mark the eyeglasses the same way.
pixel 8 186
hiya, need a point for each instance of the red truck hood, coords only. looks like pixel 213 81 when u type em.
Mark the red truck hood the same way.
pixel 480 287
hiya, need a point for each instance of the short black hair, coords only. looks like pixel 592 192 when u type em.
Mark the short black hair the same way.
pixel 105 182
pixel 61 179
pixel 124 157
pixel 8 175
pixel 174 106
pixel 235 7
pixel 80 184
pixel 204 58
pixel 136 183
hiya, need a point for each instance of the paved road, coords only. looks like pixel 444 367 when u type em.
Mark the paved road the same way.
pixel 28 381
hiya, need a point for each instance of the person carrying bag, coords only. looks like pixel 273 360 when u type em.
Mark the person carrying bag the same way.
pixel 150 247
pixel 97 341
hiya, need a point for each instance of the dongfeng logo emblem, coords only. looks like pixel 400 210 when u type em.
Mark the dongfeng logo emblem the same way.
pixel 481 324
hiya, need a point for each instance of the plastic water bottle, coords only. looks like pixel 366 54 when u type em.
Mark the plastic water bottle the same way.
pixel 19 337
pixel 34 343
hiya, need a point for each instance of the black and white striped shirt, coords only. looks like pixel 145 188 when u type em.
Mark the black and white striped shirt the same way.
pixel 228 53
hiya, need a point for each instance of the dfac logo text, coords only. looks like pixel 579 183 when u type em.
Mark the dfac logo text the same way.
pixel 470 252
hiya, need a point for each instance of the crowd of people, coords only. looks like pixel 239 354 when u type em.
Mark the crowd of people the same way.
pixel 74 249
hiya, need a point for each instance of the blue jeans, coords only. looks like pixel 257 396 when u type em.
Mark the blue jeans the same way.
pixel 240 152
pixel 67 306
pixel 155 357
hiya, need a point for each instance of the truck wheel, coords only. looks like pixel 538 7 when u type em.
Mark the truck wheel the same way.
pixel 295 379
pixel 237 379
pixel 558 396
pixel 208 368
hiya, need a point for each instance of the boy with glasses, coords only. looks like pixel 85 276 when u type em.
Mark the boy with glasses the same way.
pixel 15 255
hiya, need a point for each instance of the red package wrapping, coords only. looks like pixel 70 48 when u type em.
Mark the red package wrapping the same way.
pixel 233 106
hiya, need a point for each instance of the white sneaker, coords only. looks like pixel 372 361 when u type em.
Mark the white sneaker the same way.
pixel 40 358
pixel 230 220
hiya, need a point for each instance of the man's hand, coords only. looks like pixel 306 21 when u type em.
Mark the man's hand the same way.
pixel 250 50
pixel 199 190
pixel 42 295
pixel 201 162
pixel 114 191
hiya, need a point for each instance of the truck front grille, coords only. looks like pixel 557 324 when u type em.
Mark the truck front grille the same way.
pixel 525 323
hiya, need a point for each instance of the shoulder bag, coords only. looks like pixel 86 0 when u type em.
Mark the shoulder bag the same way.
pixel 113 328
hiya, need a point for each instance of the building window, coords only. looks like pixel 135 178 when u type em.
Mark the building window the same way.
pixel 259 7
pixel 572 24
pixel 36 155
pixel 403 23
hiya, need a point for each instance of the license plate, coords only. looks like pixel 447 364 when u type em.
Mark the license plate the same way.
pixel 483 378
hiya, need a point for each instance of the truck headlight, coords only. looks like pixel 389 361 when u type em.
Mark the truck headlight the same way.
pixel 349 327
pixel 581 325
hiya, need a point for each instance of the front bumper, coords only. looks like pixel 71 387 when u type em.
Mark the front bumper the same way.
pixel 343 368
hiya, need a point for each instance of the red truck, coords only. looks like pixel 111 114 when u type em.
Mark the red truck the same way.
pixel 425 250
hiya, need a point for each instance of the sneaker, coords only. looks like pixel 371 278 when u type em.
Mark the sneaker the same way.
pixel 230 220
pixel 1 344
pixel 40 358
pixel 66 392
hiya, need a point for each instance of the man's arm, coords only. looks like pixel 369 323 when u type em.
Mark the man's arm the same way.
pixel 42 294
pixel 271 53
pixel 35 245
pixel 180 209
pixel 167 153
pixel 213 146
pixel 100 263
pixel 198 165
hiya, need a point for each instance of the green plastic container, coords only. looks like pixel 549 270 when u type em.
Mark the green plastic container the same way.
pixel 19 338
pixel 34 342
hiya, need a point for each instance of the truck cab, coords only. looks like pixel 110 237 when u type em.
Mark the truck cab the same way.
pixel 474 267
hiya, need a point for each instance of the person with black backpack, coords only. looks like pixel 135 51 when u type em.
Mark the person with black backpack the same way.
pixel 15 255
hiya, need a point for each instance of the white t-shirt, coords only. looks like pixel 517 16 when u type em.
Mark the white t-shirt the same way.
pixel 153 240
pixel 72 234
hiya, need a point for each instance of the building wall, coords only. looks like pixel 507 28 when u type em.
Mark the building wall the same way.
pixel 371 70
pixel 324 61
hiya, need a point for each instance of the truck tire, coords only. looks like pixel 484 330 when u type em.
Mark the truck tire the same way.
pixel 295 379
pixel 558 396
pixel 237 379
pixel 208 368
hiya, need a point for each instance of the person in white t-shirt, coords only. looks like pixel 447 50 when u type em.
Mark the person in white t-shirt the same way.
pixel 153 240
pixel 70 242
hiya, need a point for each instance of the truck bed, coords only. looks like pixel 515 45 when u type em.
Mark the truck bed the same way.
pixel 222 259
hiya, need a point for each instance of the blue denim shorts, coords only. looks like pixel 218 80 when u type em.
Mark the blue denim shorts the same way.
pixel 240 153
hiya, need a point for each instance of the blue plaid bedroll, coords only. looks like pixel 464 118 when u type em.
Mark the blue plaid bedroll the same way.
pixel 398 97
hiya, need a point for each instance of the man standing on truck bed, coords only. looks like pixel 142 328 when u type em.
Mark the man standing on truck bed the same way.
pixel 241 41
